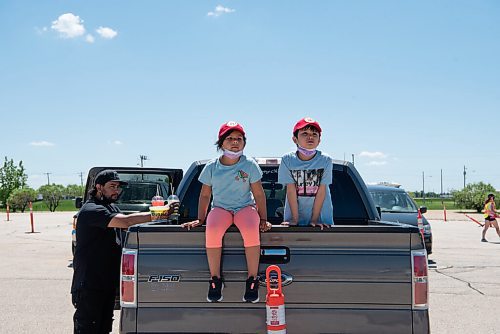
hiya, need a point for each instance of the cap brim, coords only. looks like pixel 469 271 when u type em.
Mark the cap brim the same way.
pixel 123 183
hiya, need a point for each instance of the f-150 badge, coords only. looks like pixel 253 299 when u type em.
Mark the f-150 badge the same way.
pixel 160 278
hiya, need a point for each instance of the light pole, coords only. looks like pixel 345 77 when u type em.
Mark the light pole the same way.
pixel 48 178
pixel 465 173
pixel 143 157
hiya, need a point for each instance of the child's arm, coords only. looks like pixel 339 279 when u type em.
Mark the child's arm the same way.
pixel 204 201
pixel 260 200
pixel 318 204
pixel 291 194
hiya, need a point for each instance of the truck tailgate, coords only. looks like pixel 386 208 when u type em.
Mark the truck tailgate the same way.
pixel 348 279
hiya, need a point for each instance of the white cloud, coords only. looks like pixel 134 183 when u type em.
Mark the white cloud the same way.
pixel 41 143
pixel 117 142
pixel 69 26
pixel 89 38
pixel 220 10
pixel 373 155
pixel 106 32
pixel 377 163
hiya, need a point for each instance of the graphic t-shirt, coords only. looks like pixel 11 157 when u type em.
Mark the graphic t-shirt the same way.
pixel 231 184
pixel 307 177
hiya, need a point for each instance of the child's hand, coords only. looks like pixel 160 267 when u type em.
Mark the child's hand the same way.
pixel 192 224
pixel 265 226
pixel 322 226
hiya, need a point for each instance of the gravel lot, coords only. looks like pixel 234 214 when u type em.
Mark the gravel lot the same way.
pixel 36 275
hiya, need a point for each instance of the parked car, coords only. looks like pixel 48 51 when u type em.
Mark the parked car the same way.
pixel 397 206
pixel 143 184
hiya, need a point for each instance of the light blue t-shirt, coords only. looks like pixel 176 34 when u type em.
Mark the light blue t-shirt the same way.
pixel 307 177
pixel 231 184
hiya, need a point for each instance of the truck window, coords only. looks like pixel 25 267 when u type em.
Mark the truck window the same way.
pixel 347 203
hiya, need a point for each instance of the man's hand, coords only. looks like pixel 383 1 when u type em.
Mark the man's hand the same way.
pixel 192 224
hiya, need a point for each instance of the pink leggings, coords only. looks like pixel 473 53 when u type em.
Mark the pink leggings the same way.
pixel 218 221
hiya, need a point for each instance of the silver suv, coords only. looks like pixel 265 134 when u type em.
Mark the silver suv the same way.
pixel 397 206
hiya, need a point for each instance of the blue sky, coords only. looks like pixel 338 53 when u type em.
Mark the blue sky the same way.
pixel 406 86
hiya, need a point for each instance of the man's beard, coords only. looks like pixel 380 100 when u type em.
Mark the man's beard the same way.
pixel 108 200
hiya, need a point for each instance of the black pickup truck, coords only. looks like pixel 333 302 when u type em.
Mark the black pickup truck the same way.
pixel 360 276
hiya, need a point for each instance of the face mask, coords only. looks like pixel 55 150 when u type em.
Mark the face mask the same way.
pixel 232 155
pixel 306 151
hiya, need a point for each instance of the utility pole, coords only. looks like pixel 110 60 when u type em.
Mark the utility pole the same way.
pixel 464 175
pixel 441 182
pixel 48 178
pixel 423 186
pixel 353 159
pixel 81 178
pixel 143 157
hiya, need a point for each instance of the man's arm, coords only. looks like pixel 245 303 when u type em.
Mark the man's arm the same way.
pixel 124 221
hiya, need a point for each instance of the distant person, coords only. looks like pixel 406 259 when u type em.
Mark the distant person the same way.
pixel 307 175
pixel 490 215
pixel 97 256
pixel 238 198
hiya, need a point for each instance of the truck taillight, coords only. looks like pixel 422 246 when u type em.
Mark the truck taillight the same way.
pixel 420 283
pixel 128 278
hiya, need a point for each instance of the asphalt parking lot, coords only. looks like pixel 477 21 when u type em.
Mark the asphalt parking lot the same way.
pixel 36 275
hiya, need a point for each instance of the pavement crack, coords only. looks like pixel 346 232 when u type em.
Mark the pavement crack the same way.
pixel 458 279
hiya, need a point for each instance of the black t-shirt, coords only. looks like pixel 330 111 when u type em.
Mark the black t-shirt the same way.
pixel 96 262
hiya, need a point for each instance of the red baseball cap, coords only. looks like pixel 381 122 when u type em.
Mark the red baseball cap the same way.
pixel 305 122
pixel 230 126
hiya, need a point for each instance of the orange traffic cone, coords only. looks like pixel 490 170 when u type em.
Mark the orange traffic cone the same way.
pixel 275 304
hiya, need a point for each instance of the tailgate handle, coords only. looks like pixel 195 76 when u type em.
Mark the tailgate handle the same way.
pixel 274 254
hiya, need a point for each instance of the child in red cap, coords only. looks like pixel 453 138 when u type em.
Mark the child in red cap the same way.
pixel 307 175
pixel 238 197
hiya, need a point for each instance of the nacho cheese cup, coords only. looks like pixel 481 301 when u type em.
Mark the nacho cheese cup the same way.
pixel 157 212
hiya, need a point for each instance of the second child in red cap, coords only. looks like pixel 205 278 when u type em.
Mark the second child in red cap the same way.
pixel 238 198
pixel 307 175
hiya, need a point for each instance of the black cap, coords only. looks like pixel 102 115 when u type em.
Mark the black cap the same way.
pixel 108 175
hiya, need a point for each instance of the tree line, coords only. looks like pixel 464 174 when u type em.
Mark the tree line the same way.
pixel 15 192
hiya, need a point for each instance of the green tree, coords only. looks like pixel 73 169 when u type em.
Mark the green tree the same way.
pixel 11 177
pixel 52 195
pixel 73 190
pixel 19 198
pixel 473 195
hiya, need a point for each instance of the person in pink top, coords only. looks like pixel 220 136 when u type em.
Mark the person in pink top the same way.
pixel 490 215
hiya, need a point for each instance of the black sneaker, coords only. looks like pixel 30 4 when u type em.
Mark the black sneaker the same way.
pixel 251 290
pixel 484 240
pixel 216 285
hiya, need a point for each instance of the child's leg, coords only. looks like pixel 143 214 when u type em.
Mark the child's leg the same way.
pixel 218 221
pixel 247 220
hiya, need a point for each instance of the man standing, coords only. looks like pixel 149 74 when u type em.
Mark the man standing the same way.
pixel 97 256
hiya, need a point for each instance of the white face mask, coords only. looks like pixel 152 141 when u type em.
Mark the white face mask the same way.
pixel 232 155
pixel 305 151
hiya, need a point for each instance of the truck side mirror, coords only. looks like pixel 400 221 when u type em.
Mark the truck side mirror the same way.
pixel 423 209
pixel 78 202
